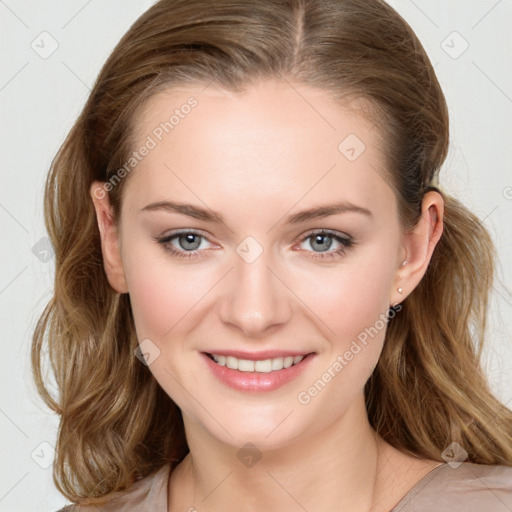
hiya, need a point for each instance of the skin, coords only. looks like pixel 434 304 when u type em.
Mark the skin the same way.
pixel 256 158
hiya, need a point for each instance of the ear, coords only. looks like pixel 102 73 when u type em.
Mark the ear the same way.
pixel 417 247
pixel 110 241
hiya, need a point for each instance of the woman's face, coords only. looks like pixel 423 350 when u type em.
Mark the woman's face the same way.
pixel 258 226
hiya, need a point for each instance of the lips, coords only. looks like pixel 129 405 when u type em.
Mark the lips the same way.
pixel 256 371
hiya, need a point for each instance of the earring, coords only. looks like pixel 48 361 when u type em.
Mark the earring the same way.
pixel 404 263
pixel 400 290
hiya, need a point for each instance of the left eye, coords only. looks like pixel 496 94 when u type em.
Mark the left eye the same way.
pixel 320 242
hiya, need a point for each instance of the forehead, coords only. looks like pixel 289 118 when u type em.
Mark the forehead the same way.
pixel 275 141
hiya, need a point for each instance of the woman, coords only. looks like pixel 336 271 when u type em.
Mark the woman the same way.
pixel 263 301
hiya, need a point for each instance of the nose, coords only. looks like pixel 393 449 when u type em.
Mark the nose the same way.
pixel 256 302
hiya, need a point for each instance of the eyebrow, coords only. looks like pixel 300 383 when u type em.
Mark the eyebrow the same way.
pixel 212 216
pixel 185 209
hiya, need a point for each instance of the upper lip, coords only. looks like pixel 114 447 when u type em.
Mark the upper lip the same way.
pixel 258 356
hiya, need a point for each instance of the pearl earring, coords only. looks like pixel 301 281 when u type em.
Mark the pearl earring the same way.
pixel 400 290
pixel 404 263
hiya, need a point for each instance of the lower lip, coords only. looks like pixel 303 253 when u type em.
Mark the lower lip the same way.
pixel 256 381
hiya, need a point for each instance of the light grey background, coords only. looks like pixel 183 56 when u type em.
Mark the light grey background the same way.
pixel 41 95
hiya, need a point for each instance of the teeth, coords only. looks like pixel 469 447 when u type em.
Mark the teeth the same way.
pixel 263 366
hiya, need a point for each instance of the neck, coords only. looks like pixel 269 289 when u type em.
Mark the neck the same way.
pixel 335 469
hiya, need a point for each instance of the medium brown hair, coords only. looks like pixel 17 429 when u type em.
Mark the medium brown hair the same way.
pixel 428 389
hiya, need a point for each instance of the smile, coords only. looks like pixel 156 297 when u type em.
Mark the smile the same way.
pixel 262 366
pixel 257 372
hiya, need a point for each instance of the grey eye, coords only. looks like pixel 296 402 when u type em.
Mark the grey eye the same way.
pixel 189 241
pixel 321 242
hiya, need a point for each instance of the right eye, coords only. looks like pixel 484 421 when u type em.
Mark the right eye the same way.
pixel 184 244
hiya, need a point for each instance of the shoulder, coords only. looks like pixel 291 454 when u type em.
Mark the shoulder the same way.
pixel 150 493
pixel 468 487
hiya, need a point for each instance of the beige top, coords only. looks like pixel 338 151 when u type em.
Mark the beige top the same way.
pixel 467 488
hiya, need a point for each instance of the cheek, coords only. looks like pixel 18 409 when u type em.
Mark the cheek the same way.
pixel 162 294
pixel 350 298
pixel 357 313
pixel 351 303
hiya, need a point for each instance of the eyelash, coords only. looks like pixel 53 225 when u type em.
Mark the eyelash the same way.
pixel 346 242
